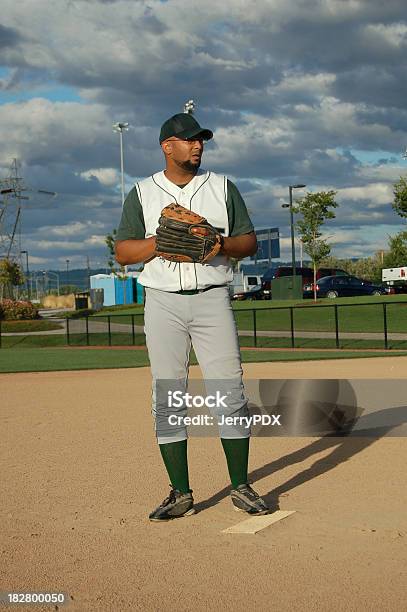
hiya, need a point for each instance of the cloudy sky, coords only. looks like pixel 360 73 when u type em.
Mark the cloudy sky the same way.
pixel 296 91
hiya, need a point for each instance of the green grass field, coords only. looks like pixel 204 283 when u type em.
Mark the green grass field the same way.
pixel 28 326
pixel 47 352
pixel 322 343
pixel 125 339
pixel 352 315
pixel 308 316
pixel 47 360
pixel 98 339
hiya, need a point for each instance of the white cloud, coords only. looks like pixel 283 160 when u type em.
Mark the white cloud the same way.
pixel 70 229
pixel 106 176
pixel 319 84
pixel 384 172
pixel 38 261
pixel 41 130
pixel 393 34
pixel 47 245
pixel 95 240
pixel 377 194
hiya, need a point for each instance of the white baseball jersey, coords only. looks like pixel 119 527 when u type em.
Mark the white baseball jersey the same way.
pixel 205 194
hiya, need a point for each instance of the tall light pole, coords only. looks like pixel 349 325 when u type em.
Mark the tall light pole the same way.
pixel 27 274
pixel 119 127
pixel 67 274
pixel 290 206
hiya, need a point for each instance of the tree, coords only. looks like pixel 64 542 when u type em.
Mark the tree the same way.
pixel 397 253
pixel 315 209
pixel 121 271
pixel 400 197
pixel 368 268
pixel 110 240
pixel 11 275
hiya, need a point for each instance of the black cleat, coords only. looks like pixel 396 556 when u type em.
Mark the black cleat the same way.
pixel 245 499
pixel 176 505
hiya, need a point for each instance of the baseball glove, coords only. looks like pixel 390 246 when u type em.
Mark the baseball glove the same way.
pixel 185 236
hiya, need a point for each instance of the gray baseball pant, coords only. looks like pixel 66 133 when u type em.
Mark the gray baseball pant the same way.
pixel 173 322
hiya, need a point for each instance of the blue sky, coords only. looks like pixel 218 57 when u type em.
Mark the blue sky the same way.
pixel 311 92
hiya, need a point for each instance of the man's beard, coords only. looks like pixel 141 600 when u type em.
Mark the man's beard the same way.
pixel 188 165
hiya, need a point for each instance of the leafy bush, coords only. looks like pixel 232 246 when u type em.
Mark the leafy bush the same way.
pixel 17 310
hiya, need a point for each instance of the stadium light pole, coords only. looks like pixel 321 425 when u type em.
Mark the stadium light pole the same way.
pixel 119 127
pixel 27 274
pixel 290 206
pixel 67 274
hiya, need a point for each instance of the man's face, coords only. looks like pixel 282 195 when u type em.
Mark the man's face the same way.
pixel 186 154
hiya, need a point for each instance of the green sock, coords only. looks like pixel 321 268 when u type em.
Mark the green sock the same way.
pixel 237 457
pixel 175 459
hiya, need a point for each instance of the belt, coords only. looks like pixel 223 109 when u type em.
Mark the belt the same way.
pixel 195 291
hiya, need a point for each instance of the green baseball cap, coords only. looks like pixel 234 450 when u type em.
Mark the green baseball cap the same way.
pixel 183 126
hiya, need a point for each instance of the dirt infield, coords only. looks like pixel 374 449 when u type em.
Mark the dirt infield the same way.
pixel 81 471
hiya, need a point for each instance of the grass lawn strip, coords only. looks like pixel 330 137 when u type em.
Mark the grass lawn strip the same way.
pixel 35 325
pixel 363 316
pixel 308 316
pixel 125 339
pixel 46 360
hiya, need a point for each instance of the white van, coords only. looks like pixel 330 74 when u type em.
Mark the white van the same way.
pixel 250 281
pixel 244 282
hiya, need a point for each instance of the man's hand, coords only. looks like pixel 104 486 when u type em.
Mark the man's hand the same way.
pixel 135 251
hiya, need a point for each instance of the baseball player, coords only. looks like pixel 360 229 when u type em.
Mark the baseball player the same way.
pixel 186 274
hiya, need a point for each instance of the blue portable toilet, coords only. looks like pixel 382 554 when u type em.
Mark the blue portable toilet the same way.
pixel 117 291
pixel 123 290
